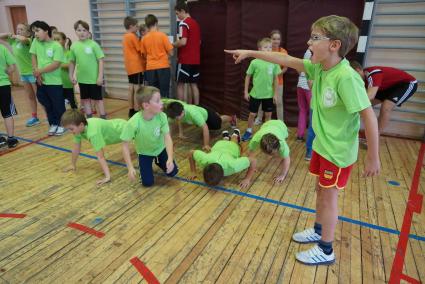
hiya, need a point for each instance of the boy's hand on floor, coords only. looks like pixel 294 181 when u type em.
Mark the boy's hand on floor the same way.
pixel 279 179
pixel 170 166
pixel 132 174
pixel 245 183
pixel 69 169
pixel 191 176
pixel 206 148
pixel 103 181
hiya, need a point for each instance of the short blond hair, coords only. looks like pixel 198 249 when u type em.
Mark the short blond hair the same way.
pixel 339 28
pixel 73 117
pixel 264 41
pixel 145 93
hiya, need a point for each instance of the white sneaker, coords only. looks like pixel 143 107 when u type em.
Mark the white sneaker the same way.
pixel 52 130
pixel 258 121
pixel 60 131
pixel 315 256
pixel 306 236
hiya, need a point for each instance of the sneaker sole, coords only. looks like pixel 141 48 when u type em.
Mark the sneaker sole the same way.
pixel 318 263
pixel 33 124
pixel 308 242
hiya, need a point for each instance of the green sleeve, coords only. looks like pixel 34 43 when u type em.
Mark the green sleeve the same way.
pixel 97 141
pixel 58 53
pixel 165 128
pixel 255 141
pixel 284 149
pixel 201 158
pixel 352 92
pixel 10 60
pixel 309 69
pixel 129 131
pixel 77 138
pixel 71 55
pixel 240 164
pixel 251 68
pixel 98 51
pixel 33 47
pixel 196 116
pixel 276 70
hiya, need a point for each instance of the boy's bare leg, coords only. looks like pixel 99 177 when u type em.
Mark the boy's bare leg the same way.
pixel 87 106
pixel 31 90
pixel 268 116
pixel 180 91
pixel 385 115
pixel 100 106
pixel 9 123
pixel 195 93
pixel 327 211
pixel 251 118
pixel 279 103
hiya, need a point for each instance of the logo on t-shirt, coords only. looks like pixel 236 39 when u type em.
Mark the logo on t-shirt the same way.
pixel 49 52
pixel 329 97
pixel 19 45
pixel 88 50
pixel 157 132
pixel 270 70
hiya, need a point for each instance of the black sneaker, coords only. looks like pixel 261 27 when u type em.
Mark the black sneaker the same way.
pixel 3 142
pixel 225 135
pixel 12 142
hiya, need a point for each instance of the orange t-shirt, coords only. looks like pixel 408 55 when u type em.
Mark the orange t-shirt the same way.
pixel 133 60
pixel 155 47
pixel 280 76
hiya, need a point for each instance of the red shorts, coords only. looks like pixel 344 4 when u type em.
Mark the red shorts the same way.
pixel 329 174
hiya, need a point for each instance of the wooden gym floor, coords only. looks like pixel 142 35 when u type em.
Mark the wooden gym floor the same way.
pixel 186 232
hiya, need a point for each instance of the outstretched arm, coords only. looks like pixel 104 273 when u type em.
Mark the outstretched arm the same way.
pixel 127 158
pixel 284 172
pixel 372 163
pixel 274 57
pixel 206 135
pixel 252 166
pixel 105 168
pixel 192 165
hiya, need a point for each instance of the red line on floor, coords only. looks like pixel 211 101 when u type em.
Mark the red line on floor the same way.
pixel 23 145
pixel 87 230
pixel 12 215
pixel 144 271
pixel 414 205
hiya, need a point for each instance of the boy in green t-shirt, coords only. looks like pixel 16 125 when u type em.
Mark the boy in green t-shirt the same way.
pixel 21 43
pixel 7 107
pixel 264 86
pixel 339 100
pixel 151 134
pixel 87 56
pixel 206 118
pixel 271 138
pixel 223 160
pixel 99 132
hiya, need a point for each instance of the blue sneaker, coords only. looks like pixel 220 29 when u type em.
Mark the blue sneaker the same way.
pixel 32 121
pixel 246 136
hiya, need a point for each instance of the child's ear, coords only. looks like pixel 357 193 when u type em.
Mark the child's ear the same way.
pixel 336 44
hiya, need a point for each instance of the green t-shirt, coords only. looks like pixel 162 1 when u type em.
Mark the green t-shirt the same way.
pixel 194 115
pixel 66 83
pixel 278 129
pixel 48 52
pixel 101 132
pixel 22 54
pixel 226 154
pixel 148 135
pixel 263 74
pixel 338 97
pixel 6 59
pixel 86 55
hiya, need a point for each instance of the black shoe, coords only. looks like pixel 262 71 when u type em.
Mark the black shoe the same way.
pixel 12 142
pixel 3 142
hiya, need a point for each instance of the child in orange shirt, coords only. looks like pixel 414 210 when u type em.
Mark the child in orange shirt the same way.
pixel 133 61
pixel 156 48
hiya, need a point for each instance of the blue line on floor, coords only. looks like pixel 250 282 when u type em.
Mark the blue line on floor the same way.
pixel 244 194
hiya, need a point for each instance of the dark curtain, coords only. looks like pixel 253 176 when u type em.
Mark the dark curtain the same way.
pixel 236 24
